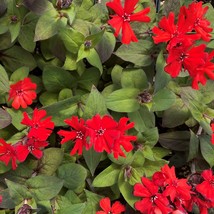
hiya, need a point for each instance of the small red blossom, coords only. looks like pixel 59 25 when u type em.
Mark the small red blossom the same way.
pixel 40 127
pixel 22 93
pixel 116 208
pixel 7 153
pixel 152 201
pixel 195 14
pixel 184 56
pixel 30 145
pixel 1 199
pixel 202 71
pixel 206 188
pixel 103 132
pixel 123 140
pixel 123 18
pixel 77 133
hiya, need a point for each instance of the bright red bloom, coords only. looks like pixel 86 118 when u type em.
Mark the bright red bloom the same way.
pixel 22 93
pixel 40 127
pixel 7 153
pixel 0 199
pixel 123 18
pixel 30 145
pixel 103 132
pixel 152 201
pixel 173 33
pixel 174 187
pixel 184 56
pixel 77 133
pixel 202 71
pixel 206 188
pixel 195 17
pixel 116 208
pixel 123 140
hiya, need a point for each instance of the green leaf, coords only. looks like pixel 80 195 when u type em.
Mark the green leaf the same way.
pixel 162 100
pixel 126 190
pixel 207 92
pixel 74 208
pixel 51 160
pixel 107 177
pixel 92 202
pixel 116 74
pixel 19 74
pixel 148 153
pixel 134 78
pixel 106 46
pixel 175 140
pixel 161 77
pixel 176 115
pixel 193 146
pixel 89 78
pixel 94 59
pixel 62 110
pixel 17 116
pixel 123 100
pixel 94 38
pixel 5 118
pixel 17 191
pixel 143 119
pixel 7 201
pixel 192 99
pixel 92 159
pixel 95 104
pixel 48 98
pixel 137 53
pixel 73 174
pixel 72 39
pixel 48 25
pixel 44 187
pixel 4 81
pixel 56 78
pixel 207 149
pixel 16 57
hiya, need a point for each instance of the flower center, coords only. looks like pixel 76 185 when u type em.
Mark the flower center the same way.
pixel 31 148
pixel 101 131
pixel 183 56
pixel 126 17
pixel 19 92
pixel 79 135
pixel 197 21
pixel 153 198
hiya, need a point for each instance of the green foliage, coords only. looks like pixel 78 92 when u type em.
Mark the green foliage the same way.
pixel 69 50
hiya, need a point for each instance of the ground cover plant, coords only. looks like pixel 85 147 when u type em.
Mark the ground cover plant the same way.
pixel 107 106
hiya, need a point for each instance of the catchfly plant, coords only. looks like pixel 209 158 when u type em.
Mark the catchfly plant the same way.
pixel 107 106
pixel 124 15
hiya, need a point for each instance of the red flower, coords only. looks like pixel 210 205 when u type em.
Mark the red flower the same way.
pixel 202 71
pixel 0 199
pixel 30 145
pixel 116 208
pixel 206 188
pixel 103 132
pixel 123 18
pixel 174 187
pixel 22 93
pixel 184 56
pixel 123 140
pixel 195 16
pixel 152 201
pixel 7 153
pixel 77 133
pixel 40 127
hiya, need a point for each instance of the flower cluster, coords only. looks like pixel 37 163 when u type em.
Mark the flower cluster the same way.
pixel 165 193
pixel 116 208
pixel 103 133
pixel 181 37
pixel 40 129
pixel 121 20
pixel 22 93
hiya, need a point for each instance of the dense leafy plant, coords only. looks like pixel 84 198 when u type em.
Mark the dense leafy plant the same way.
pixel 106 106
